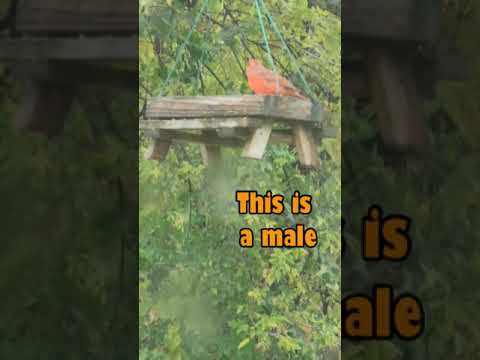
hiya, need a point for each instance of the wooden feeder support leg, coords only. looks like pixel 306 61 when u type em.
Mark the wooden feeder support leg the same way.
pixel 257 143
pixel 306 146
pixel 211 154
pixel 158 149
pixel 401 123
pixel 44 107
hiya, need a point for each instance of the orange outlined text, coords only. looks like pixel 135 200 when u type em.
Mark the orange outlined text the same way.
pixel 290 237
pixel 249 202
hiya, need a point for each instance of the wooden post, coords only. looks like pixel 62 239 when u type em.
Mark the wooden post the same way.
pixel 306 146
pixel 211 154
pixel 44 107
pixel 257 143
pixel 50 87
pixel 400 118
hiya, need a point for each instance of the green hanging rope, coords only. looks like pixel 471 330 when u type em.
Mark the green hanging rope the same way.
pixel 260 4
pixel 287 49
pixel 264 33
pixel 184 44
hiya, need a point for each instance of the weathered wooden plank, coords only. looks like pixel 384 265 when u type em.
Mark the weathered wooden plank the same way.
pixel 211 155
pixel 236 139
pixel 204 107
pixel 406 20
pixel 276 107
pixel 78 48
pixel 306 147
pixel 198 124
pixel 355 81
pixel 285 135
pixel 290 108
pixel 400 117
pixel 73 16
pixel 66 73
pixel 258 141
pixel 198 138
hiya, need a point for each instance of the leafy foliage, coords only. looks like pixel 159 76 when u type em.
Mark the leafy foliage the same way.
pixel 442 200
pixel 201 295
pixel 63 225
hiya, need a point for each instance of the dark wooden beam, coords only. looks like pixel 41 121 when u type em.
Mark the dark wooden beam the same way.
pixel 198 124
pixel 63 73
pixel 274 107
pixel 72 48
pixel 237 139
pixel 398 20
pixel 79 17
pixel 445 68
pixel 399 110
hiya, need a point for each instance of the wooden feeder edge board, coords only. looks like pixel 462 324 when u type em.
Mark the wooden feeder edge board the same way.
pixel 236 121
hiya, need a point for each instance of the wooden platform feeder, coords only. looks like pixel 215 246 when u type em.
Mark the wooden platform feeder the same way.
pixel 59 30
pixel 56 45
pixel 246 121
pixel 391 57
pixel 397 20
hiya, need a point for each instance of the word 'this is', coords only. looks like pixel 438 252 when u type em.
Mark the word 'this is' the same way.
pixel 249 202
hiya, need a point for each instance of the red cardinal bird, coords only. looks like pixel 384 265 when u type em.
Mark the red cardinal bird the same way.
pixel 265 82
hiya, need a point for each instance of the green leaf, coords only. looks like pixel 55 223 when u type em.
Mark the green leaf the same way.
pixel 244 343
